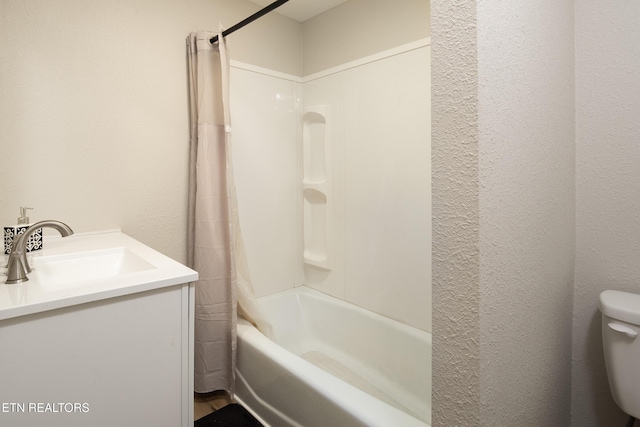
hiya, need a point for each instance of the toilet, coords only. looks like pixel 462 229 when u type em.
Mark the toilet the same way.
pixel 621 343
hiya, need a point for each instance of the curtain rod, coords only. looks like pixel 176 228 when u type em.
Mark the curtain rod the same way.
pixel 250 19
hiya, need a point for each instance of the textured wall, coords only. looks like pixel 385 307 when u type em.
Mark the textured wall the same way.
pixel 456 269
pixel 608 194
pixel 527 168
pixel 503 207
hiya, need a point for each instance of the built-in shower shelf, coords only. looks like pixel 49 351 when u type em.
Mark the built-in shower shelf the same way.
pixel 315 260
pixel 316 186
pixel 315 144
pixel 317 222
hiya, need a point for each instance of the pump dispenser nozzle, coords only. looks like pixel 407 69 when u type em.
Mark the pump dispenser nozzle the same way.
pixel 23 219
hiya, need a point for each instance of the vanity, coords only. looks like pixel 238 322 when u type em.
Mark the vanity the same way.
pixel 100 335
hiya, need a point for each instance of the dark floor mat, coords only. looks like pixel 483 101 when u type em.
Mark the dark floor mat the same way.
pixel 232 415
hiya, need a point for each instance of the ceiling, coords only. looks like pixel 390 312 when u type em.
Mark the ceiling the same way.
pixel 301 10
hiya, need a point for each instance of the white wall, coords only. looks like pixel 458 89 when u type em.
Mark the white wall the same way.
pixel 93 107
pixel 504 184
pixel 387 137
pixel 265 112
pixel 380 114
pixel 607 190
pixel 379 191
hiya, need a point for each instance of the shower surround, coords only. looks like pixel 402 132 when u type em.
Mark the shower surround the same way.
pixel 356 224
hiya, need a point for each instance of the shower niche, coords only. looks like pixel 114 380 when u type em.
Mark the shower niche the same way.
pixel 316 187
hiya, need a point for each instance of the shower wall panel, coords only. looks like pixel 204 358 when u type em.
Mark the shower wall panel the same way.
pixel 378 239
pixel 327 93
pixel 382 150
pixel 387 131
pixel 264 122
pixel 317 188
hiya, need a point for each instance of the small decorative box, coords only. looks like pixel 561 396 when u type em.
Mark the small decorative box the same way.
pixel 11 234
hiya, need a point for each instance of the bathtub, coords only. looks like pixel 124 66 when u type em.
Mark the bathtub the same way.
pixel 332 364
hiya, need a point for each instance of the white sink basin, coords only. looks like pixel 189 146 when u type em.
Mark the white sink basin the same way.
pixel 88 267
pixel 69 269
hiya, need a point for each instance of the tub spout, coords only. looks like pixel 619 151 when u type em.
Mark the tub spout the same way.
pixel 18 266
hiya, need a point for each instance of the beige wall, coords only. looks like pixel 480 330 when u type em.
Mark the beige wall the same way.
pixel 520 73
pixel 527 210
pixel 504 217
pixel 94 113
pixel 358 28
pixel 607 190
pixel 455 217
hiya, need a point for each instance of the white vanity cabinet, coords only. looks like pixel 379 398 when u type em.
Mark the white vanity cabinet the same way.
pixel 116 354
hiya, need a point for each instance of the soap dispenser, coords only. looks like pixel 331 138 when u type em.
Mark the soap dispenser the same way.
pixel 11 233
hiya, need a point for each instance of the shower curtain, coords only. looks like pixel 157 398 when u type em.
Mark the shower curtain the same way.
pixel 215 247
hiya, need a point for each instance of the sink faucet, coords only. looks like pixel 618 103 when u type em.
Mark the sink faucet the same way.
pixel 18 266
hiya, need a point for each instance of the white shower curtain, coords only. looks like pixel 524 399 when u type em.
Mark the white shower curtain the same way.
pixel 215 247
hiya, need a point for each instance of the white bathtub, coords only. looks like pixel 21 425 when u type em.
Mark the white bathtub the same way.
pixel 326 351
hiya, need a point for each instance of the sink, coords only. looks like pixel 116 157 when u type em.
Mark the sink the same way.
pixel 89 267
pixel 69 269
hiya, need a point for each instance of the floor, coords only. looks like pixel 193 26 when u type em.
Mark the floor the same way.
pixel 204 404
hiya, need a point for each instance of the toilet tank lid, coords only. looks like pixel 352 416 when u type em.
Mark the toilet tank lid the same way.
pixel 619 305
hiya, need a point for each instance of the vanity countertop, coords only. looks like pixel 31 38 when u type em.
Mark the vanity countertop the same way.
pixel 151 270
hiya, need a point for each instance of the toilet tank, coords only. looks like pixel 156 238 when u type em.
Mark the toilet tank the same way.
pixel 621 343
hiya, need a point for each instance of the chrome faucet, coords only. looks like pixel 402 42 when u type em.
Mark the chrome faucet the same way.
pixel 18 266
